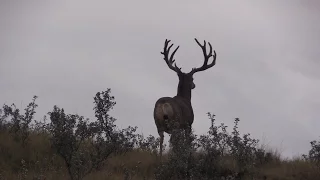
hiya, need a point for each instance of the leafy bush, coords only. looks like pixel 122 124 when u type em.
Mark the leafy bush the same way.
pixel 149 144
pixel 314 153
pixel 19 124
pixel 85 146
pixel 218 154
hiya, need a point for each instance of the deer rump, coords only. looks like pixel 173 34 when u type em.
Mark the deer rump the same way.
pixel 172 113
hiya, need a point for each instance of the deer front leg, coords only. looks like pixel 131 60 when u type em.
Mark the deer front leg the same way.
pixel 187 132
pixel 188 149
pixel 161 142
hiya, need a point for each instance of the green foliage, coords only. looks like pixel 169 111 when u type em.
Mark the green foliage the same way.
pixel 85 146
pixel 215 147
pixel 68 133
pixel 314 153
pixel 19 123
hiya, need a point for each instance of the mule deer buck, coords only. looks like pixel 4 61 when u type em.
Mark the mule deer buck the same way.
pixel 176 113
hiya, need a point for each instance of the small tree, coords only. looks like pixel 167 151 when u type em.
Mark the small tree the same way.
pixel 68 132
pixel 85 146
pixel 314 152
pixel 19 124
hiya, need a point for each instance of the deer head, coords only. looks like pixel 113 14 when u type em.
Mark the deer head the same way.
pixel 186 83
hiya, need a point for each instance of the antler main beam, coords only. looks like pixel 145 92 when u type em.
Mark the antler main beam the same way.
pixel 206 58
pixel 170 61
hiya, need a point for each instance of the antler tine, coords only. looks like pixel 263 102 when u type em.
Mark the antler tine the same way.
pixel 170 60
pixel 206 57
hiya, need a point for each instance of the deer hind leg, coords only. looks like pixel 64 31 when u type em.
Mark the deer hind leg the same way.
pixel 161 134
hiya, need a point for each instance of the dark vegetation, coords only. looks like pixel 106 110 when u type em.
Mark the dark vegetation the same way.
pixel 69 146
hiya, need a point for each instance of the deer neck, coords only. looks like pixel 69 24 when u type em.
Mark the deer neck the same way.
pixel 184 91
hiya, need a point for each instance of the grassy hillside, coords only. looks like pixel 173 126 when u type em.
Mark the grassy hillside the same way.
pixel 38 160
pixel 71 147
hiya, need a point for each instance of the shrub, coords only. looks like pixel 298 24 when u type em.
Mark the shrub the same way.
pixel 314 153
pixel 85 146
pixel 217 155
pixel 19 124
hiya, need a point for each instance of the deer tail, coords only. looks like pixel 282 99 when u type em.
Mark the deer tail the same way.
pixel 167 110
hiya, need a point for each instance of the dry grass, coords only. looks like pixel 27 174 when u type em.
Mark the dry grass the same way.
pixel 41 161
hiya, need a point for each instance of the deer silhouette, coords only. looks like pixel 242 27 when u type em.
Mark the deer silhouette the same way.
pixel 176 113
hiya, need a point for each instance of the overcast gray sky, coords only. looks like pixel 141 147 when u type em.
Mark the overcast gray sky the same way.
pixel 266 72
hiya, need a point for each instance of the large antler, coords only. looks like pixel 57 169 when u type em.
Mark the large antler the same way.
pixel 206 58
pixel 170 60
